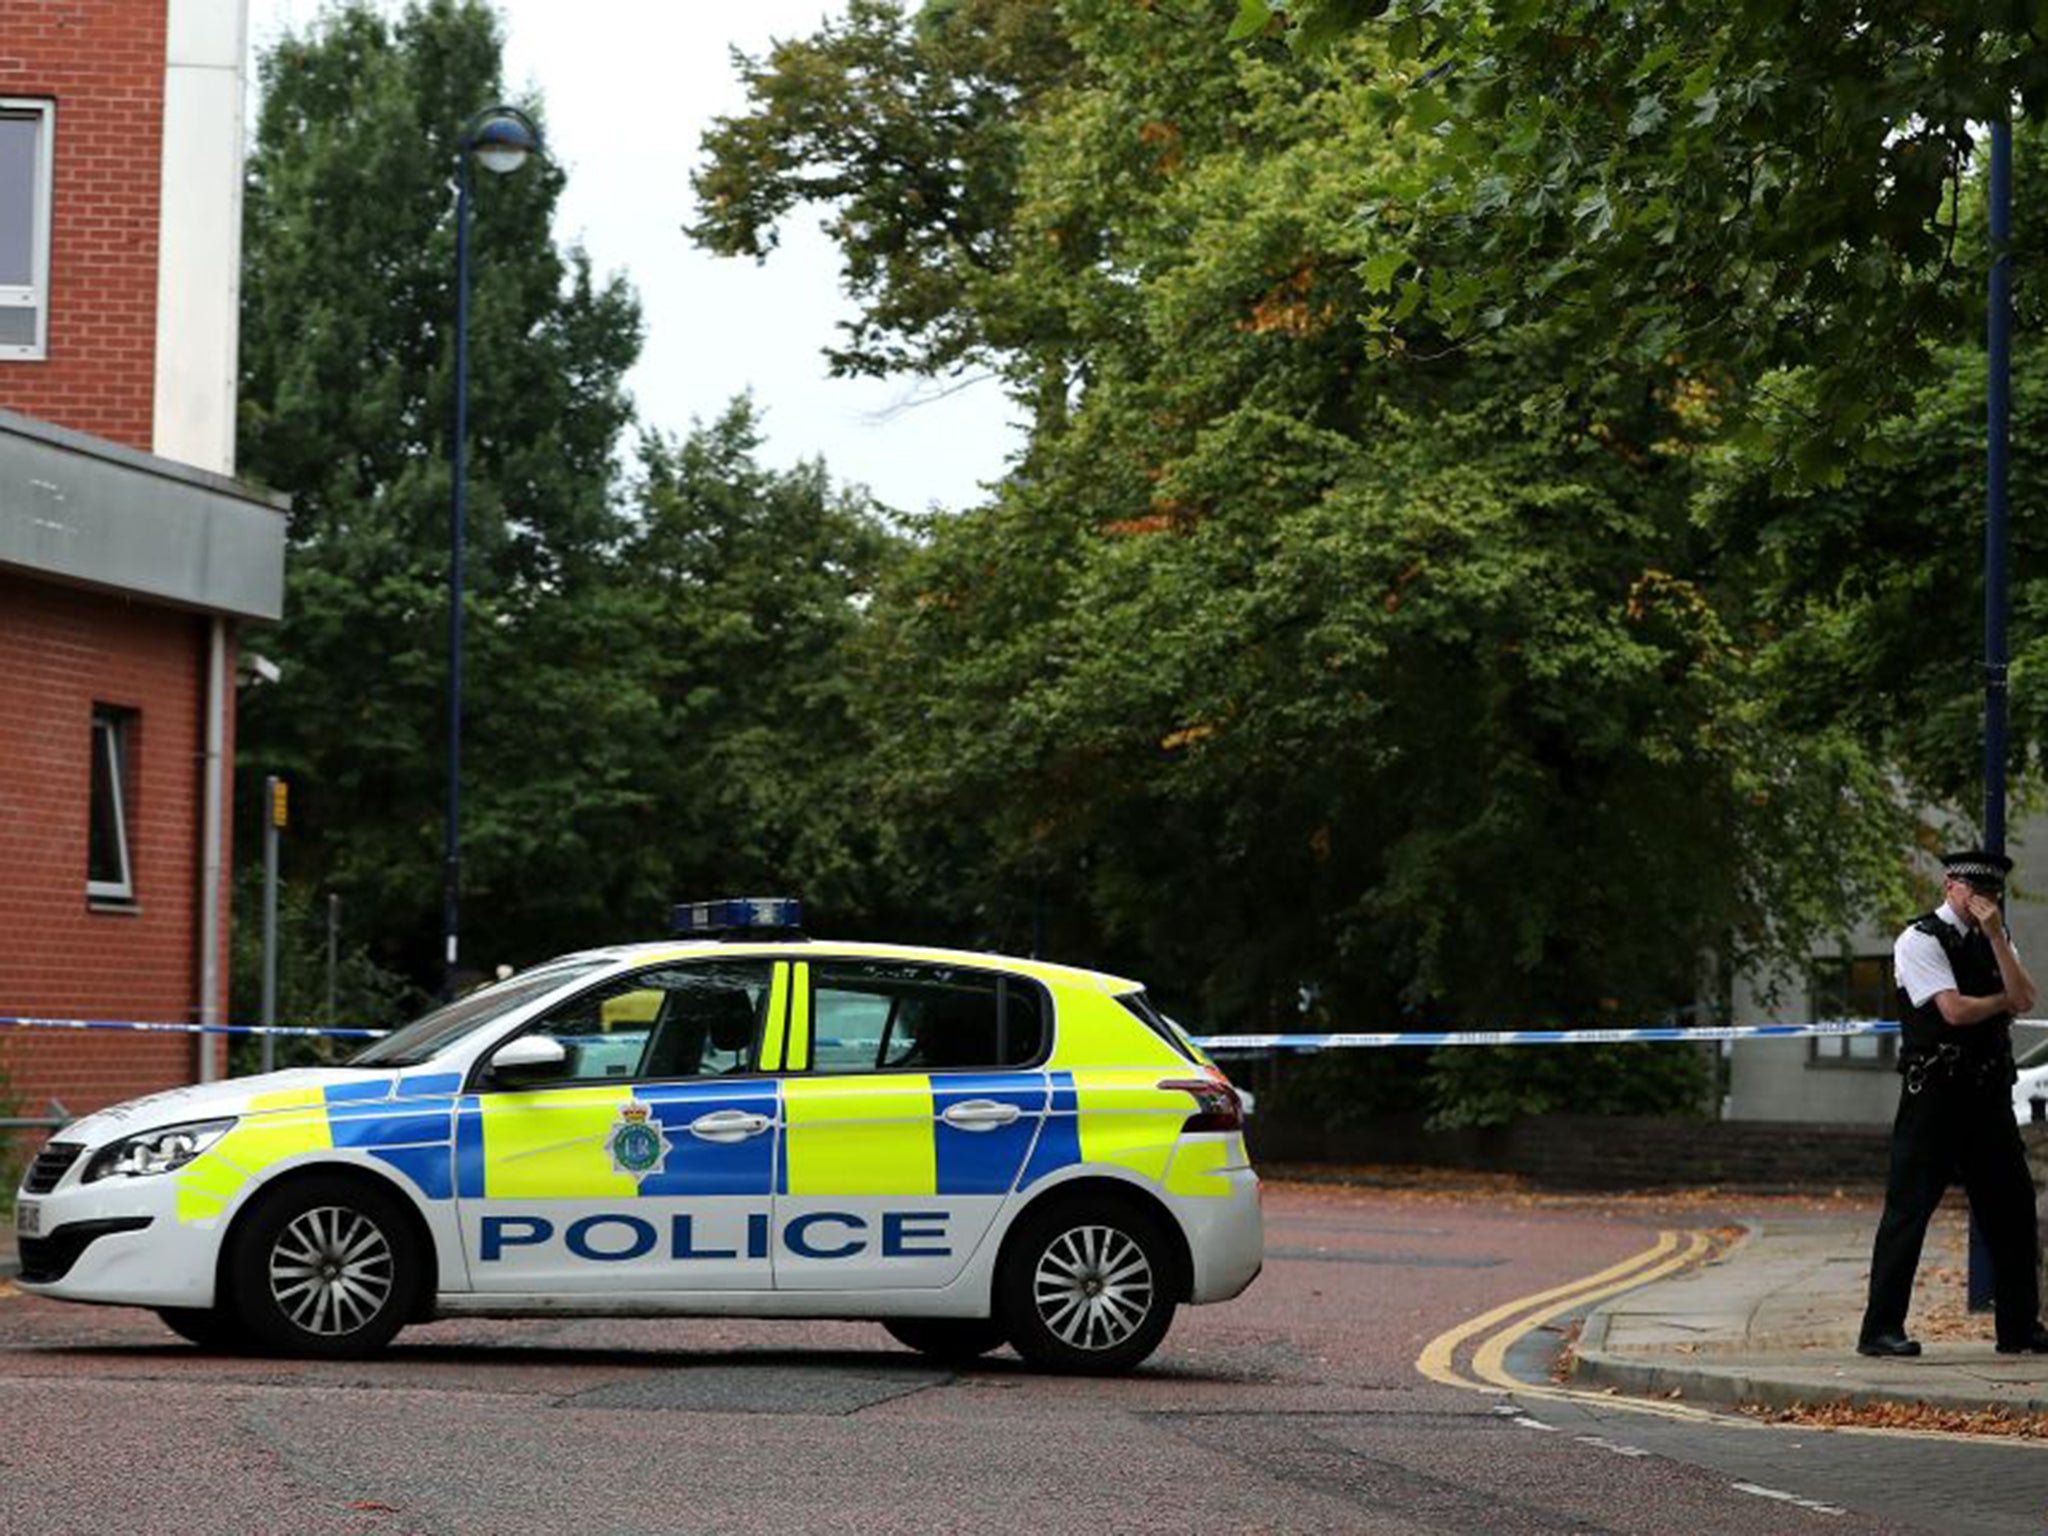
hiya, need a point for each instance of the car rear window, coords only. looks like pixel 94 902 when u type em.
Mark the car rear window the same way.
pixel 1140 1006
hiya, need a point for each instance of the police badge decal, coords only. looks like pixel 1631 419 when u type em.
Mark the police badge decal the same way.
pixel 638 1145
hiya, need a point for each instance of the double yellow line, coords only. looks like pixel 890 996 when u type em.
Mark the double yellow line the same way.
pixel 1501 1329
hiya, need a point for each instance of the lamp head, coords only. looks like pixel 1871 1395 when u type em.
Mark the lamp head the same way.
pixel 501 138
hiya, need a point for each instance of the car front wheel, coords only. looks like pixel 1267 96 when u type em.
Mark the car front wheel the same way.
pixel 1086 1288
pixel 325 1267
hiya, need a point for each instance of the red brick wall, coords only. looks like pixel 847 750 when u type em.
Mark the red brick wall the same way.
pixel 102 63
pixel 62 651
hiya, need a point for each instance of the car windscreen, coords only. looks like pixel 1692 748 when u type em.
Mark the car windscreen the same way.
pixel 2037 1057
pixel 425 1038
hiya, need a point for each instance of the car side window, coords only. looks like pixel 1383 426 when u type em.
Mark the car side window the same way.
pixel 669 1022
pixel 881 1016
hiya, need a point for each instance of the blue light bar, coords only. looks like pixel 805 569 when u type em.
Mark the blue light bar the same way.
pixel 737 915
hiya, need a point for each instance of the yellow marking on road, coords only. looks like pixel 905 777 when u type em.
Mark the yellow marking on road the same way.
pixel 1489 1361
pixel 1436 1357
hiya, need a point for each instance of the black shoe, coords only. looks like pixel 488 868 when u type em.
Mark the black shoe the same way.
pixel 2035 1343
pixel 1888 1346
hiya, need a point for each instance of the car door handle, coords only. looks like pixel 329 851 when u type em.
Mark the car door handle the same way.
pixel 979 1114
pixel 729 1125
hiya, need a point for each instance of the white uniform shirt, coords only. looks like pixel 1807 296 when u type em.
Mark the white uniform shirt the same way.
pixel 1920 963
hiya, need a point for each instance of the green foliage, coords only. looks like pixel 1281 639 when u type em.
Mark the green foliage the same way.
pixel 909 133
pixel 1318 681
pixel 348 307
pixel 365 995
pixel 1746 184
pixel 653 695
pixel 1492 1087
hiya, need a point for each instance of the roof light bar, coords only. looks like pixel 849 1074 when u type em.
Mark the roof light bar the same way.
pixel 738 917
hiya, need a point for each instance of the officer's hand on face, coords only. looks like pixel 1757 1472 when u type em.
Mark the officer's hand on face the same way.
pixel 1984 912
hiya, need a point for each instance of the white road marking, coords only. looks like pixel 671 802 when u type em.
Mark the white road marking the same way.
pixel 1788 1498
pixel 1528 1423
pixel 1612 1445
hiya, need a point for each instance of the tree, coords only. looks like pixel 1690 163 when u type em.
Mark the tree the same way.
pixel 1388 688
pixel 348 308
pixel 756 582
pixel 1749 185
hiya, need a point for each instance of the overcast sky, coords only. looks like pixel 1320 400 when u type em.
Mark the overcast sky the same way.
pixel 630 86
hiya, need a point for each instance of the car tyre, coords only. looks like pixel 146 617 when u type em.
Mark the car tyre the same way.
pixel 212 1328
pixel 326 1268
pixel 948 1340
pixel 1086 1287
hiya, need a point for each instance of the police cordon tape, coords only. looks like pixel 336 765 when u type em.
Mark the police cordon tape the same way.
pixel 1827 1027
pixel 1296 1042
pixel 302 1031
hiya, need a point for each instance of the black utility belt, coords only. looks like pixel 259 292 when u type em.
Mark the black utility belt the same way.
pixel 1949 1066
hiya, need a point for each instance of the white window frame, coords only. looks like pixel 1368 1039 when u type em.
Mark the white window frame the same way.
pixel 111 729
pixel 36 295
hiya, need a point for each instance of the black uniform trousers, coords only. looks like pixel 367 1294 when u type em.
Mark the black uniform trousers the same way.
pixel 1949 1130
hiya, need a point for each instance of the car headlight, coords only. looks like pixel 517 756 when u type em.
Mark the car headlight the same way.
pixel 159 1151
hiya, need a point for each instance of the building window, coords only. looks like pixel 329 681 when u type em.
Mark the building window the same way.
pixel 25 162
pixel 1854 987
pixel 109 875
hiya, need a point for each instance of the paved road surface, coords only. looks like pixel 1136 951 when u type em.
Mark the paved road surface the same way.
pixel 1297 1408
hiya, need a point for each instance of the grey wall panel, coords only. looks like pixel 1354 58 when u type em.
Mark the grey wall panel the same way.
pixel 78 509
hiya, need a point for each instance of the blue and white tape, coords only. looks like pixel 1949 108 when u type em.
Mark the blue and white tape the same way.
pixel 195 1029
pixel 1292 1042
pixel 1826 1027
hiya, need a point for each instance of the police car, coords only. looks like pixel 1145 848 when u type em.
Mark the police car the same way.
pixel 969 1148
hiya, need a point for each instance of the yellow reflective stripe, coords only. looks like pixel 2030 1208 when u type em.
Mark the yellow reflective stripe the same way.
pixel 800 1017
pixel 1125 1118
pixel 870 1135
pixel 550 1144
pixel 1198 1167
pixel 276 1126
pixel 778 1008
pixel 1093 1029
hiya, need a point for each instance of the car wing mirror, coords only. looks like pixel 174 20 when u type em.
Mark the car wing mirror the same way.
pixel 530 1058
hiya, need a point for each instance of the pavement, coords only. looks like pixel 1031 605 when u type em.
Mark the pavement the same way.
pixel 1770 1322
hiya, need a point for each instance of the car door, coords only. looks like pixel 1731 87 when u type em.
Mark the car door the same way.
pixel 645 1160
pixel 912 1101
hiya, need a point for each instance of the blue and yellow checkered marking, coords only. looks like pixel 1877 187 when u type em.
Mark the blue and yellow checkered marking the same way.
pixel 696 1167
pixel 874 1134
pixel 985 1162
pixel 1059 1141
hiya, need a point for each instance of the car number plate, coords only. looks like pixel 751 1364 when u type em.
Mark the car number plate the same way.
pixel 28 1218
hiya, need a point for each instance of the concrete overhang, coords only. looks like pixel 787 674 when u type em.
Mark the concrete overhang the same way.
pixel 79 509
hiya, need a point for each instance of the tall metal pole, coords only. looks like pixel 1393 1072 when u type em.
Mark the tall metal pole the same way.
pixel 271 822
pixel 1998 412
pixel 333 953
pixel 457 519
pixel 1998 400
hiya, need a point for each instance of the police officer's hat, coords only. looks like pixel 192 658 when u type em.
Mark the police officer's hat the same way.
pixel 1983 871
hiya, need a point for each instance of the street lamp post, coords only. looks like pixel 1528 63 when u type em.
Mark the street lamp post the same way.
pixel 501 138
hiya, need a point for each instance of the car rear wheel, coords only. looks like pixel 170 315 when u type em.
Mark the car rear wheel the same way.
pixel 948 1340
pixel 325 1267
pixel 211 1328
pixel 1086 1287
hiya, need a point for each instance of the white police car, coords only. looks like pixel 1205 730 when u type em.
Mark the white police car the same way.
pixel 2032 1082
pixel 970 1148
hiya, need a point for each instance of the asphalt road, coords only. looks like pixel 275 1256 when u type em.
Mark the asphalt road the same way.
pixel 1296 1408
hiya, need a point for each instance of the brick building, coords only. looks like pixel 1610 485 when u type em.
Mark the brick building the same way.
pixel 129 560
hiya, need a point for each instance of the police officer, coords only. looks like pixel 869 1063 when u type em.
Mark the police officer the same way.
pixel 1960 983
